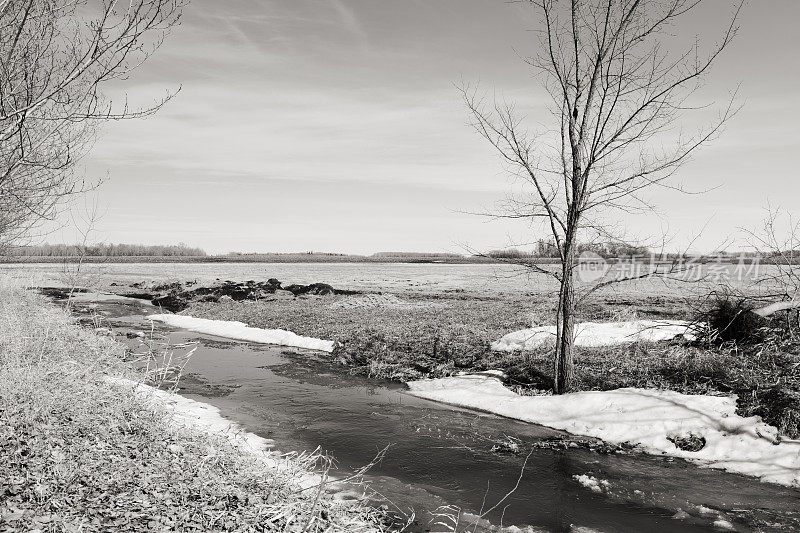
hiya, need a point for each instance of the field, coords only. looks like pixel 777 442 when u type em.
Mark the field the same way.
pixel 425 278
pixel 434 320
pixel 255 258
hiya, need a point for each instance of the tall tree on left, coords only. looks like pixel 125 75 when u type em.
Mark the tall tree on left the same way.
pixel 56 58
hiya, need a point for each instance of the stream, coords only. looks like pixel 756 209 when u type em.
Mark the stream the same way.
pixel 441 456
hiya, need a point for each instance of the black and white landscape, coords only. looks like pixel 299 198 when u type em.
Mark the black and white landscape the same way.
pixel 370 265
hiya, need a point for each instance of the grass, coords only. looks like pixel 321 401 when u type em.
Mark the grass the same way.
pixel 440 335
pixel 77 454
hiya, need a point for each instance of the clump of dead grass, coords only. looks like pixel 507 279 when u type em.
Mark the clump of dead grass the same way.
pixel 79 455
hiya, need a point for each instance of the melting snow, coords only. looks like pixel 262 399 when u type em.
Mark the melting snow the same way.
pixel 241 331
pixel 598 334
pixel 645 417
pixel 592 483
pixel 724 525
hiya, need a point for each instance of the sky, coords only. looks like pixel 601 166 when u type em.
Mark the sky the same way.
pixel 336 125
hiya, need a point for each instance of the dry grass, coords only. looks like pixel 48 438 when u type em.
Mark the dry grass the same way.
pixel 79 455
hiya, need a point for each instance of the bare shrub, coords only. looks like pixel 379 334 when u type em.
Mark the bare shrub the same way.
pixel 57 59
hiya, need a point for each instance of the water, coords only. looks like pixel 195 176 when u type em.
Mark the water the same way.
pixel 439 455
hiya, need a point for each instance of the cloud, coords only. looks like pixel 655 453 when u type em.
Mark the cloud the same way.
pixel 353 100
pixel 350 21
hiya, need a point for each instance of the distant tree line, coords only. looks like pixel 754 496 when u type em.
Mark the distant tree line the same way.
pixel 416 255
pixel 331 257
pixel 511 253
pixel 545 249
pixel 106 250
pixel 285 254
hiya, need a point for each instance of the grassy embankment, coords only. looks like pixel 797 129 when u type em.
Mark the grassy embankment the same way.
pixel 78 454
pixel 438 335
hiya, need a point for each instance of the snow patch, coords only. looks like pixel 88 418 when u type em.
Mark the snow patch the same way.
pixel 723 525
pixel 592 483
pixel 243 332
pixel 595 334
pixel 645 417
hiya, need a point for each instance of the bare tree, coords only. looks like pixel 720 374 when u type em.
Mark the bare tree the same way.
pixel 55 59
pixel 73 275
pixel 777 244
pixel 617 89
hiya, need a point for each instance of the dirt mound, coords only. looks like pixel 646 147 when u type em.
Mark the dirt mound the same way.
pixel 317 289
pixel 60 293
pixel 176 297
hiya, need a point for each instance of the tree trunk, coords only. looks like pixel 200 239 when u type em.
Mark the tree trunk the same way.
pixel 565 331
pixel 771 309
